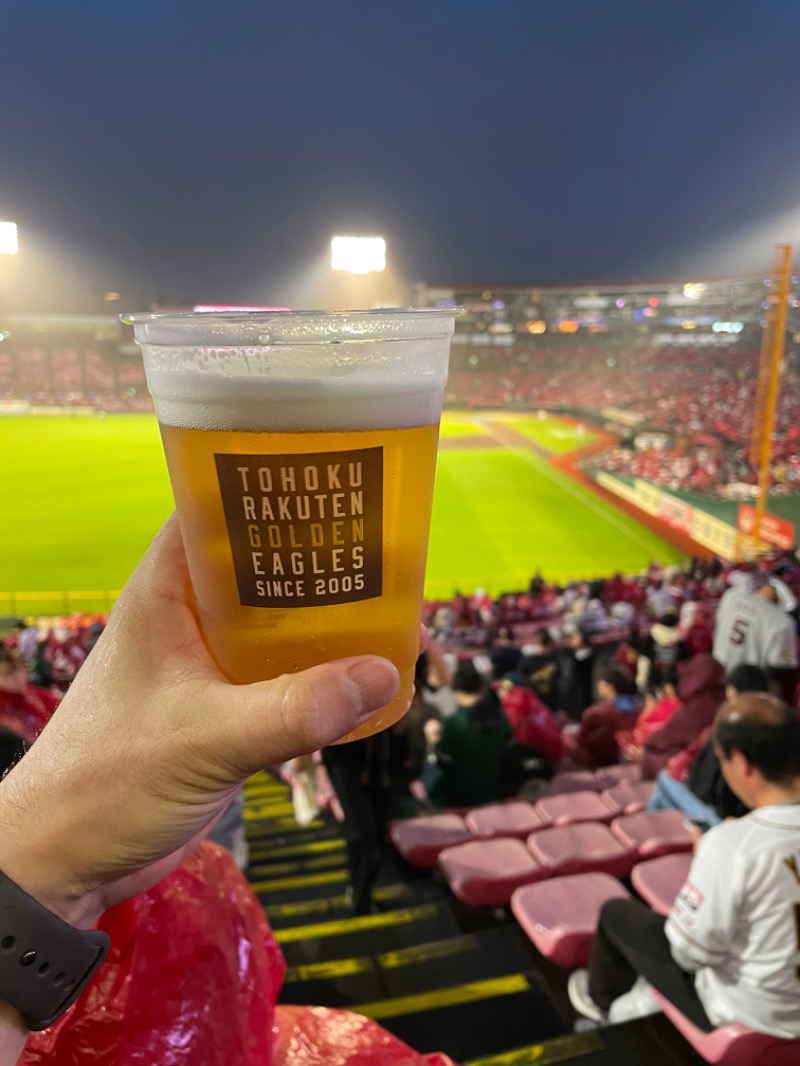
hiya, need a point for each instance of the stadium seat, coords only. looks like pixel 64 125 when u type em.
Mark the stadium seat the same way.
pixel 609 776
pixel 485 873
pixel 572 807
pixel 629 797
pixel 733 1045
pixel 653 833
pixel 419 840
pixel 658 881
pixel 560 916
pixel 573 781
pixel 581 849
pixel 514 819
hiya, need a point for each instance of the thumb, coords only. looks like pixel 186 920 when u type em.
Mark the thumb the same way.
pixel 272 721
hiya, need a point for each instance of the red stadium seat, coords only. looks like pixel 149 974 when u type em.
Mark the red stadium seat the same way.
pixel 419 840
pixel 609 776
pixel 572 807
pixel 653 833
pixel 515 819
pixel 560 916
pixel 658 881
pixel 629 797
pixel 573 781
pixel 485 873
pixel 733 1045
pixel 581 849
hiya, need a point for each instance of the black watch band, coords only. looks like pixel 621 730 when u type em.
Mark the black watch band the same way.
pixel 44 963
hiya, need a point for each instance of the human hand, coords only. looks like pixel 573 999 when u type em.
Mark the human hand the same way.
pixel 151 742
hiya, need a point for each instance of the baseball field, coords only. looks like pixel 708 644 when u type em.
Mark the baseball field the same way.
pixel 82 496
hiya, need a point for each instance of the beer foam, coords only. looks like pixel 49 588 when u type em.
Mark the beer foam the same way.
pixel 193 401
pixel 348 386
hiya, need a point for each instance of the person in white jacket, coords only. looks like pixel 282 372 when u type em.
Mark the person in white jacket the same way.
pixel 730 949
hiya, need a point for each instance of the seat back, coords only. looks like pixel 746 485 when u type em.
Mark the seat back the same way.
pixel 658 881
pixel 654 833
pixel 572 807
pixel 515 819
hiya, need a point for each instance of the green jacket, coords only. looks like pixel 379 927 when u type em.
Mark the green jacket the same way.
pixel 471 757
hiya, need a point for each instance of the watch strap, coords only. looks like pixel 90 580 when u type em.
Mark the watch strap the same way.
pixel 45 963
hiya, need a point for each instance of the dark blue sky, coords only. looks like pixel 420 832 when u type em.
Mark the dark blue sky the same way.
pixel 210 149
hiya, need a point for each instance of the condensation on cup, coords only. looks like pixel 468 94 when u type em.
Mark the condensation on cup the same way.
pixel 301 448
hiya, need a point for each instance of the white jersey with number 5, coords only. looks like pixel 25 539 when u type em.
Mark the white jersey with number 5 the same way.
pixel 736 921
pixel 752 630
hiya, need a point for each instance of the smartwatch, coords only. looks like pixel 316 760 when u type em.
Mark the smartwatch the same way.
pixel 44 963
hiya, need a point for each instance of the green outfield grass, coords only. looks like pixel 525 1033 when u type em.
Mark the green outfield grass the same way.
pixel 455 425
pixel 555 434
pixel 83 495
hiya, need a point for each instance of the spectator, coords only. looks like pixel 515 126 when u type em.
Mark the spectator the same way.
pixel 542 667
pixel 473 740
pixel 24 708
pixel 27 641
pixel 594 743
pixel 728 951
pixel 578 672
pixel 662 648
pixel 659 706
pixel 536 744
pixel 504 655
pixel 701 691
pixel 692 781
pixel 371 779
pixel 751 628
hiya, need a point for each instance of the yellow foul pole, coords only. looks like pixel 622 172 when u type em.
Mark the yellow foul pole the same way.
pixel 770 379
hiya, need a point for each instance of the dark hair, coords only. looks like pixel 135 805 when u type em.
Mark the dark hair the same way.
pixel 669 618
pixel 746 678
pixel 544 638
pixel 619 679
pixel 467 679
pixel 771 742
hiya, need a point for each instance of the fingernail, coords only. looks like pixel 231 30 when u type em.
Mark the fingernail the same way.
pixel 375 681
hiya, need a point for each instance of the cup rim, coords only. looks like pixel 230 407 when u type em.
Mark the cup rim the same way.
pixel 145 317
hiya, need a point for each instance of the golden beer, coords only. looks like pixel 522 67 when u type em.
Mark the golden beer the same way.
pixel 304 502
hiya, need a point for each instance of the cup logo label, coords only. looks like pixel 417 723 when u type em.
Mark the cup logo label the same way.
pixel 305 530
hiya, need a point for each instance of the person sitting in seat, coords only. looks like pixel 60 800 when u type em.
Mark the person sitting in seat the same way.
pixel 594 743
pixel 728 952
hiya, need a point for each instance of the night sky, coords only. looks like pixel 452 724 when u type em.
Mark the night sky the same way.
pixel 198 150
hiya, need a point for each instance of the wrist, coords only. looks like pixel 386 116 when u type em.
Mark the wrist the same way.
pixel 13 1033
pixel 29 856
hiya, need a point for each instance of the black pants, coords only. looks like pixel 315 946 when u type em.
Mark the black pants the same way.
pixel 365 810
pixel 630 941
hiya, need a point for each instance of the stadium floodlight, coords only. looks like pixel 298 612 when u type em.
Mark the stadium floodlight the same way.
pixel 9 243
pixel 694 290
pixel 358 255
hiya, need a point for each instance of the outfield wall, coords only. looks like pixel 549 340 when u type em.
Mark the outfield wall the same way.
pixel 703 528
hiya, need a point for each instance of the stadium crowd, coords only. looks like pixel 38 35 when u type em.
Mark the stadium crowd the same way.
pixel 686 675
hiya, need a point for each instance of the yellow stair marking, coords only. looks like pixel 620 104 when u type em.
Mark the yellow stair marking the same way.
pixel 304 906
pixel 275 810
pixel 322 971
pixel 276 827
pixel 443 997
pixel 559 1049
pixel 341 926
pixel 316 906
pixel 334 877
pixel 286 869
pixel 287 850
pixel 393 960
